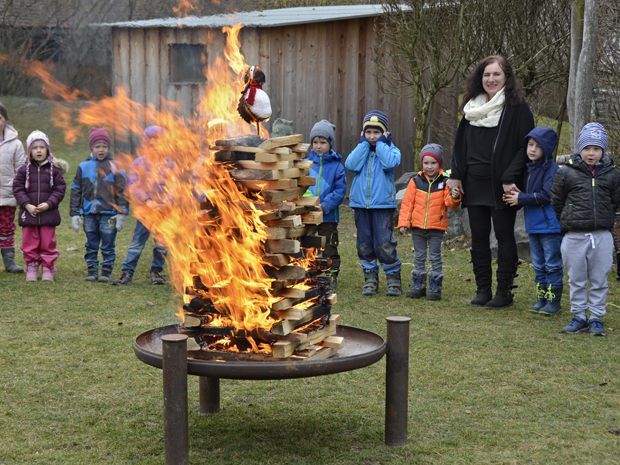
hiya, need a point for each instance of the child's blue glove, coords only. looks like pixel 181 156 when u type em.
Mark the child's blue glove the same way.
pixel 75 222
pixel 386 138
pixel 363 139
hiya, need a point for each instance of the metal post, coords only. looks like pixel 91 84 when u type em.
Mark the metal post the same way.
pixel 396 380
pixel 209 391
pixel 174 365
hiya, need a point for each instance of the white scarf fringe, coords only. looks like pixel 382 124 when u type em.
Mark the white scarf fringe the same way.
pixel 480 112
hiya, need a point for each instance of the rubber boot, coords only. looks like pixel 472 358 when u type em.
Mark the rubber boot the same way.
pixel 418 285
pixel 394 285
pixel 32 270
pixel 482 271
pixel 371 282
pixel 434 287
pixel 8 257
pixel 553 296
pixel 541 299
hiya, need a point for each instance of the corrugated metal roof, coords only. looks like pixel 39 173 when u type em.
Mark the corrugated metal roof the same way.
pixel 265 18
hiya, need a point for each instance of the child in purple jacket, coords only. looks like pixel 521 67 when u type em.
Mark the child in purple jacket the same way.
pixel 39 188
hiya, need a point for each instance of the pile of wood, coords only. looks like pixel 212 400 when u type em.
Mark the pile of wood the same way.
pixel 275 174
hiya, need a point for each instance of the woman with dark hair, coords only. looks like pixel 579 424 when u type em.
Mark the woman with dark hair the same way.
pixel 12 156
pixel 488 160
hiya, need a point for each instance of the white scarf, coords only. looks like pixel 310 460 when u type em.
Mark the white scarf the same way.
pixel 480 112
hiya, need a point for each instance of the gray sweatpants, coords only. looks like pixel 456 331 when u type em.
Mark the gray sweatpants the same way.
pixel 587 256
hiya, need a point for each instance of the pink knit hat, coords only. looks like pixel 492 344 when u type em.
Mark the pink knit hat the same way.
pixel 98 135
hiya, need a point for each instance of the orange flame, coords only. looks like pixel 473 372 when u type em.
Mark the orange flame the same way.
pixel 183 8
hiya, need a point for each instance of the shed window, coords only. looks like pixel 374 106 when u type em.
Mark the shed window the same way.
pixel 187 62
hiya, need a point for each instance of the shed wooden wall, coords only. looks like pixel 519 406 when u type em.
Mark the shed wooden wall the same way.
pixel 314 71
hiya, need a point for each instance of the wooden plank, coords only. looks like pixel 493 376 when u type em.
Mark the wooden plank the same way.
pixel 123 123
pixel 292 292
pixel 314 353
pixel 285 246
pixel 318 336
pixel 289 272
pixel 301 148
pixel 282 349
pixel 335 342
pixel 292 221
pixel 280 195
pixel 274 142
pixel 332 299
pixel 306 181
pixel 153 71
pixel 311 200
pixel 250 174
pixel 268 157
pixel 276 259
pixel 276 233
pixel 282 328
pixel 312 218
pixel 294 233
pixel 138 77
pixel 236 148
pixel 277 184
pixel 254 165
pixel 304 164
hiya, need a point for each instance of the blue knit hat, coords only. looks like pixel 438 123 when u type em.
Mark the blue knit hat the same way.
pixel 376 119
pixel 592 134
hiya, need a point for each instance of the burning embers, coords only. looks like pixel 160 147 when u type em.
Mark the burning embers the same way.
pixel 274 177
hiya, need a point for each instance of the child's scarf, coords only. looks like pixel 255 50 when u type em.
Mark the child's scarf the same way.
pixel 482 113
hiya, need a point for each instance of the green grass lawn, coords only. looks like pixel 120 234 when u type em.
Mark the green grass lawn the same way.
pixel 486 386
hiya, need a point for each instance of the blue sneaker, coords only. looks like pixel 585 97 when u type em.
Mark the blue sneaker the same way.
pixel 576 325
pixel 596 328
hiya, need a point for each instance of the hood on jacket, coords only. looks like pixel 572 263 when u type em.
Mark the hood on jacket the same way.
pixel 331 155
pixel 10 133
pixel 546 138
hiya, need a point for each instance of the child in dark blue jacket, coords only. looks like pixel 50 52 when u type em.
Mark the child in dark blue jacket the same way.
pixel 541 222
pixel 373 199
pixel 330 187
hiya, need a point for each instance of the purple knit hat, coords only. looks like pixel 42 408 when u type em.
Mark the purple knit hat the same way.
pixel 31 139
pixel 153 132
pixel 98 135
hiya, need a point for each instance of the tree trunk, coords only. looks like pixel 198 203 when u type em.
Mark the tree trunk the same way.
pixel 576 37
pixel 584 75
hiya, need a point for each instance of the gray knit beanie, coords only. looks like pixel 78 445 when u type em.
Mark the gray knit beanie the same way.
pixel 433 150
pixel 324 129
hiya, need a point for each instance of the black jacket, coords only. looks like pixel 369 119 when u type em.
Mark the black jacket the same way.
pixel 586 201
pixel 508 159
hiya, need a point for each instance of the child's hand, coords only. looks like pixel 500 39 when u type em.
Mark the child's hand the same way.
pixel 511 198
pixel 31 209
pixel 75 222
pixel 455 193
pixel 42 207
pixel 386 138
pixel 120 221
pixel 403 230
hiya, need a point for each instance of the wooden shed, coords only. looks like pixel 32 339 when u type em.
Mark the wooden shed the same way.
pixel 319 63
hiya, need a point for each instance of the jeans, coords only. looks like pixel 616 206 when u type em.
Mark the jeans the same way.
pixel 100 229
pixel 423 239
pixel 547 258
pixel 375 241
pixel 138 241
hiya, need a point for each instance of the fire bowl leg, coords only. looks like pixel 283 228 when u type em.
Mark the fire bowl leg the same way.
pixel 209 392
pixel 396 380
pixel 174 366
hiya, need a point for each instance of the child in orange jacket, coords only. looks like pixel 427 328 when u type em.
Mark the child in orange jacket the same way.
pixel 424 211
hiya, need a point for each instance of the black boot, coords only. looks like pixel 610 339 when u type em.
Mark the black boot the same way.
pixel 8 257
pixel 481 261
pixel 418 286
pixel 371 282
pixel 394 285
pixel 502 298
pixel 434 287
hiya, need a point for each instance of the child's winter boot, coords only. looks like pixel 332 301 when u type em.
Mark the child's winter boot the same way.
pixel 434 287
pixel 371 282
pixel 541 300
pixel 553 296
pixel 418 286
pixel 394 286
pixel 47 274
pixel 8 257
pixel 31 271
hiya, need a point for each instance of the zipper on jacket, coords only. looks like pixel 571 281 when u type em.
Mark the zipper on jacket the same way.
pixel 318 185
pixel 38 191
pixel 372 159
pixel 594 199
pixel 428 198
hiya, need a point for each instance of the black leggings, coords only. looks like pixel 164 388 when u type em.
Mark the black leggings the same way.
pixel 480 219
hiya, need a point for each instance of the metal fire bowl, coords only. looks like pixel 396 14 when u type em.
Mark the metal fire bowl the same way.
pixel 360 348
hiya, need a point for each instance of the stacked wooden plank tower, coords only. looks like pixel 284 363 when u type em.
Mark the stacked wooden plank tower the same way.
pixel 275 173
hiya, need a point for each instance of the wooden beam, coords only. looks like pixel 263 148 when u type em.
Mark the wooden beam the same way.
pixel 312 218
pixel 312 200
pixel 291 221
pixel 276 259
pixel 289 272
pixel 268 157
pixel 279 195
pixel 256 165
pixel 277 184
pixel 276 233
pixel 282 349
pixel 306 181
pixel 274 142
pixel 289 246
pixel 301 148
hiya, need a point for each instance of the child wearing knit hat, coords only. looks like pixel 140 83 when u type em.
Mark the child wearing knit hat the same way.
pixel 39 188
pixel 585 196
pixel 330 187
pixel 373 199
pixel 97 199
pixel 424 212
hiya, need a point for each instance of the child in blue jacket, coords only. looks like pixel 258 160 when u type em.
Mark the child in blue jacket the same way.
pixel 330 187
pixel 541 222
pixel 98 199
pixel 373 199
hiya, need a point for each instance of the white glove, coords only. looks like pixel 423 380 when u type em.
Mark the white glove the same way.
pixel 120 221
pixel 75 222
